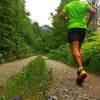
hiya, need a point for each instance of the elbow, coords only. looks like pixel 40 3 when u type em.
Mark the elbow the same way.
pixel 60 15
pixel 93 11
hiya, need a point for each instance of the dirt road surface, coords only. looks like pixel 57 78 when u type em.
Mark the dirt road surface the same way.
pixel 12 68
pixel 63 86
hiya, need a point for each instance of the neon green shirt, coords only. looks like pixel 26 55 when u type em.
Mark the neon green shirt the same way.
pixel 76 12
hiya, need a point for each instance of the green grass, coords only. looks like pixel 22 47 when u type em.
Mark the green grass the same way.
pixel 32 80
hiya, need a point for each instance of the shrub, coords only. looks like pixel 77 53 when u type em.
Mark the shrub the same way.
pixel 63 54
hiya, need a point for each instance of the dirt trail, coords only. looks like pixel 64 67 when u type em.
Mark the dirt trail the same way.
pixel 12 68
pixel 63 86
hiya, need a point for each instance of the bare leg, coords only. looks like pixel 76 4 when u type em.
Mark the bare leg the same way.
pixel 77 54
pixel 81 54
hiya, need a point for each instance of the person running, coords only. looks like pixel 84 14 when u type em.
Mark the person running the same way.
pixel 78 14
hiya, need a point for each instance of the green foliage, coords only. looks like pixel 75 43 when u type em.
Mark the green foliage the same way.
pixel 19 37
pixel 91 50
pixel 13 22
pixel 46 36
pixel 63 54
pixel 34 78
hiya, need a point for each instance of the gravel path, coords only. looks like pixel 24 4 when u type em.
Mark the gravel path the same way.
pixel 63 87
pixel 12 68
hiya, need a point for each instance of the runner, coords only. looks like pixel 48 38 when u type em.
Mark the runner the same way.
pixel 78 15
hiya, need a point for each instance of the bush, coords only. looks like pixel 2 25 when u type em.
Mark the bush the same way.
pixel 63 54
pixel 32 79
pixel 92 55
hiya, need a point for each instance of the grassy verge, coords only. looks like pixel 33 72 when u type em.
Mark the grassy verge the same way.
pixel 30 83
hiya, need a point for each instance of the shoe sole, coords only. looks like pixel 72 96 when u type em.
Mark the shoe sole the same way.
pixel 81 78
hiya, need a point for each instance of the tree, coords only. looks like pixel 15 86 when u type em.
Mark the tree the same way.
pixel 12 19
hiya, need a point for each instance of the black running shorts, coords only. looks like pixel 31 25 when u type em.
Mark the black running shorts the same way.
pixel 76 34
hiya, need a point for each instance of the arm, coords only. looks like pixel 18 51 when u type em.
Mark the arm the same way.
pixel 91 12
pixel 62 16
